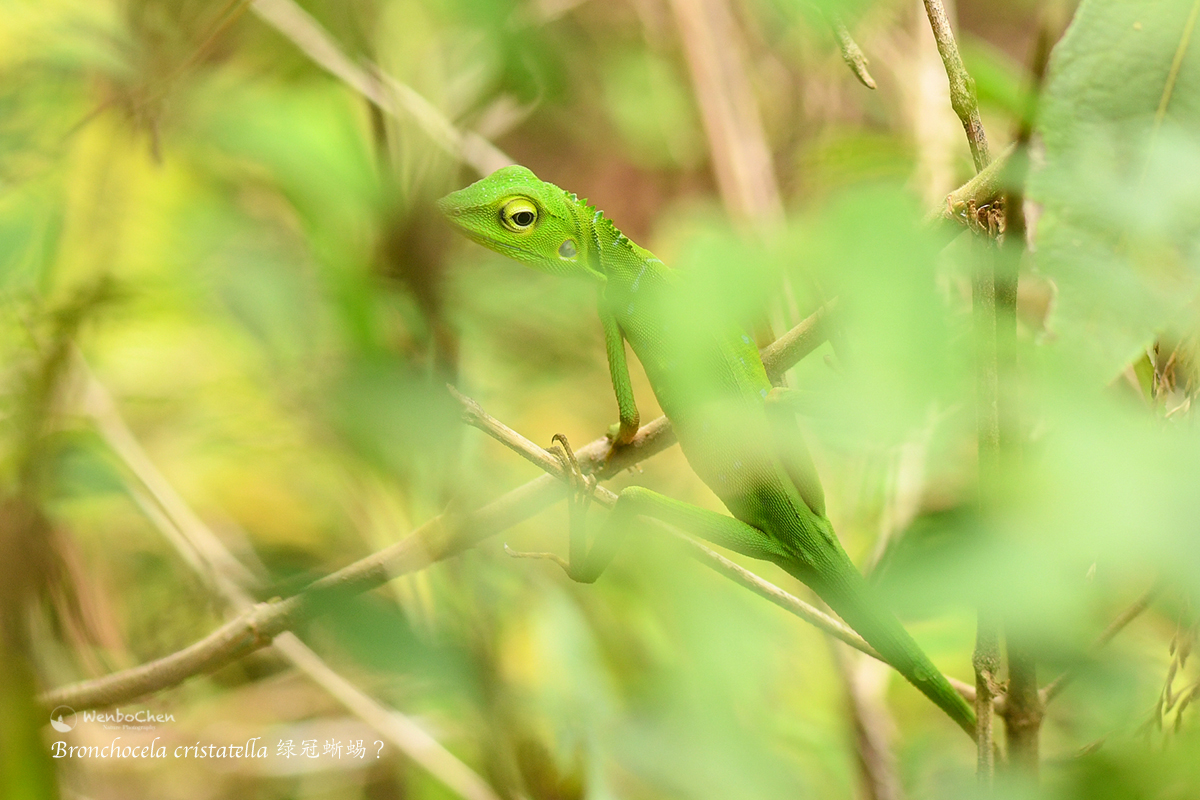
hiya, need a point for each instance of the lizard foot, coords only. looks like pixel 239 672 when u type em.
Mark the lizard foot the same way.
pixel 581 485
pixel 618 439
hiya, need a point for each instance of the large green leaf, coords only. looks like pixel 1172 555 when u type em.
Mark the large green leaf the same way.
pixel 1120 186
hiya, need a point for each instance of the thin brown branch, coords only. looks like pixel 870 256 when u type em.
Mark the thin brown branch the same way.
pixel 1023 709
pixel 874 728
pixel 998 422
pixel 799 341
pixel 1128 615
pixel 1056 686
pixel 397 728
pixel 962 86
pixel 986 663
pixel 982 191
pixel 200 547
pixel 441 537
pixel 986 657
pixel 773 593
pixel 966 690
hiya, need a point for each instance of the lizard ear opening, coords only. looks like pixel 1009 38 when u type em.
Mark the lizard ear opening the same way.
pixel 567 250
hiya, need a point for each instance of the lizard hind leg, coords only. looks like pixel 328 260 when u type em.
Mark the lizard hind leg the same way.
pixel 792 450
pixel 638 501
pixel 586 564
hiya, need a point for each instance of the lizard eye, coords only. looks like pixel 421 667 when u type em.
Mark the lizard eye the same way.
pixel 519 215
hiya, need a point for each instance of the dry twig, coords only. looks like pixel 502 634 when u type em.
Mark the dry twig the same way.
pixel 475 416
pixel 852 54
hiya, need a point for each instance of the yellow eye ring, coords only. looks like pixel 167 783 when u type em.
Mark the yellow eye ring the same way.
pixel 519 215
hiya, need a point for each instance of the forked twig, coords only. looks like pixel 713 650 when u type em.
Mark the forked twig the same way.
pixel 548 461
pixel 477 417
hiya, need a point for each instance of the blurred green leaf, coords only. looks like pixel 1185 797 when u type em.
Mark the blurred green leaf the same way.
pixel 378 636
pixel 906 355
pixel 1121 221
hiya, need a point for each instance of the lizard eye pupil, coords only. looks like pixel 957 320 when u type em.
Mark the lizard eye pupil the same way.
pixel 519 215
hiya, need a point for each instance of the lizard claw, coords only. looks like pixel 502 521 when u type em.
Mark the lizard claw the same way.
pixel 581 485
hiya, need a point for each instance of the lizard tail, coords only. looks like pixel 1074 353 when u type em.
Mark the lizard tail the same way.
pixel 848 593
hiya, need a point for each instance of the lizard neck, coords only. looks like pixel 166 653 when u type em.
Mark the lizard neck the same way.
pixel 624 266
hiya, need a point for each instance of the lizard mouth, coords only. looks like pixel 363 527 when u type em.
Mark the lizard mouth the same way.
pixel 507 246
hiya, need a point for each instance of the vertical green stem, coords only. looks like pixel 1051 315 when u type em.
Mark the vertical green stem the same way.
pixel 986 659
pixel 1023 707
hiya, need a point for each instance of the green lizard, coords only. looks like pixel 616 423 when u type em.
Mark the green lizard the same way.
pixel 711 384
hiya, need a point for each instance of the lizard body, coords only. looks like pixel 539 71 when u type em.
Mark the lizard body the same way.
pixel 710 382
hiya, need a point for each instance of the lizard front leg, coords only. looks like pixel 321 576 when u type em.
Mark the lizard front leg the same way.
pixel 618 367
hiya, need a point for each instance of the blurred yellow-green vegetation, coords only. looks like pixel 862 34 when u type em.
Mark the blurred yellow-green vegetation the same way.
pixel 230 313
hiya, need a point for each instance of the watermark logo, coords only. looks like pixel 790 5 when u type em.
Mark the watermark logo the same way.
pixel 63 719
pixel 139 720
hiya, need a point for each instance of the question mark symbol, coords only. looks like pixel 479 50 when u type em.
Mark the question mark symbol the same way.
pixel 380 748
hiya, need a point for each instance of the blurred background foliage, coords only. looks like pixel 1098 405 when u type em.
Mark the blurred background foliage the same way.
pixel 243 252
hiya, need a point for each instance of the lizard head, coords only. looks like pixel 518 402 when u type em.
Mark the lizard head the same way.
pixel 514 213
